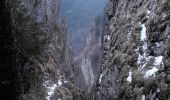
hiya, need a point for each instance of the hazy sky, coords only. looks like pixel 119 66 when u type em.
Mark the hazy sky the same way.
pixel 79 11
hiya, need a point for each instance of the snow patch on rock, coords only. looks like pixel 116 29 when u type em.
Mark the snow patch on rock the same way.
pixel 158 60
pixel 143 97
pixel 129 79
pixel 129 35
pixel 51 91
pixel 51 88
pixel 157 63
pixel 148 11
pixel 59 83
pixel 143 58
pixel 100 78
pixel 151 72
pixel 108 38
pixel 143 32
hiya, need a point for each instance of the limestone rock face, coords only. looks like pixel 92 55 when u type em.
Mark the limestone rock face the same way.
pixel 33 45
pixel 135 62
pixel 89 58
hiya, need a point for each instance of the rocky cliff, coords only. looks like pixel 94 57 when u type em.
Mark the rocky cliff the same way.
pixel 135 62
pixel 33 46
pixel 90 57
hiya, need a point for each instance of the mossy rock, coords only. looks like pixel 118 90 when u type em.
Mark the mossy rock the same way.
pixel 137 78
pixel 149 85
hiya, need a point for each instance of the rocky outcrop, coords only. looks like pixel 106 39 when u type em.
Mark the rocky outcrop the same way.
pixel 33 39
pixel 135 62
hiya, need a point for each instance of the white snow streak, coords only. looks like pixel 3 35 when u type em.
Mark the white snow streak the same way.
pixel 151 72
pixel 142 58
pixel 100 78
pixel 129 79
pixel 51 88
pixel 129 35
pixel 143 97
pixel 143 32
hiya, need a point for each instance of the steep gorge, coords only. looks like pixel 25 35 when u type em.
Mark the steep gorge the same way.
pixel 36 62
pixel 84 18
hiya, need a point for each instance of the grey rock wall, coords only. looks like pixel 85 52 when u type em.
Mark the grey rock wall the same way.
pixel 135 62
pixel 33 39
